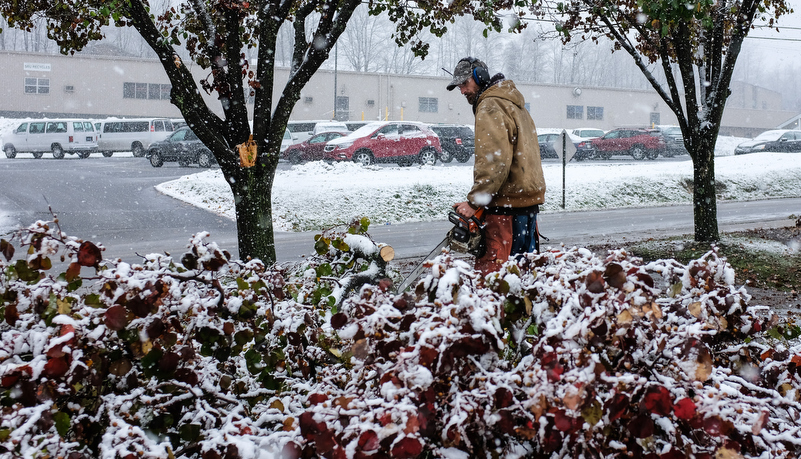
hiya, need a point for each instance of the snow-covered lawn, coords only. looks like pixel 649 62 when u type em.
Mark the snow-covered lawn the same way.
pixel 318 195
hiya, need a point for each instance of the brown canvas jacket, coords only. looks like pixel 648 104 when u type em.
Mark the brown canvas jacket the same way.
pixel 508 170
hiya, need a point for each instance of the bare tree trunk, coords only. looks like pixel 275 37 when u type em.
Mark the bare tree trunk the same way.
pixel 704 198
pixel 252 189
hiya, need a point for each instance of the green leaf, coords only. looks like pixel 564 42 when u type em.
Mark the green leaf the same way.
pixel 775 333
pixel 62 421
pixel 324 270
pixel 152 358
pixel 189 432
pixel 241 284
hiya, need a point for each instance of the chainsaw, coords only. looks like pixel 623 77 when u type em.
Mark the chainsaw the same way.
pixel 466 236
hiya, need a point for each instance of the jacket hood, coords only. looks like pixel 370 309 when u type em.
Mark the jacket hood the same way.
pixel 504 89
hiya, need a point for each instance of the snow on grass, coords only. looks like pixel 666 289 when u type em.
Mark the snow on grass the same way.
pixel 317 195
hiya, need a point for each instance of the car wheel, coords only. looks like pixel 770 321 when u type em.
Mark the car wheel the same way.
pixel 294 157
pixel 428 156
pixel 107 154
pixel 58 152
pixel 138 150
pixel 363 157
pixel 606 156
pixel 11 152
pixel 637 152
pixel 183 162
pixel 36 154
pixel 446 156
pixel 463 158
pixel 653 154
pixel 155 159
pixel 204 159
pixel 83 154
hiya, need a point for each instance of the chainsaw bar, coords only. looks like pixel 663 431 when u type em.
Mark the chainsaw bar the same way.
pixel 419 268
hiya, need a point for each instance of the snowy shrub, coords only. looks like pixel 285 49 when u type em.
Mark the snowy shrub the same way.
pixel 562 354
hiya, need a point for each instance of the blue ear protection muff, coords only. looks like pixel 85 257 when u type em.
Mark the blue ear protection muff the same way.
pixel 480 74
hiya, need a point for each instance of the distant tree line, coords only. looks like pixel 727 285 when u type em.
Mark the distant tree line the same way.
pixel 533 56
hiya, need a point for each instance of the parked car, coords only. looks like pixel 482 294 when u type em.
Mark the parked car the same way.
pixel 549 140
pixel 402 142
pixel 779 140
pixel 588 133
pixel 182 146
pixel 58 136
pixel 300 130
pixel 353 125
pixel 637 142
pixel 311 149
pixel 329 126
pixel 457 142
pixel 674 140
pixel 134 135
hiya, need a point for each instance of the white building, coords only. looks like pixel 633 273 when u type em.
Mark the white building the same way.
pixel 45 85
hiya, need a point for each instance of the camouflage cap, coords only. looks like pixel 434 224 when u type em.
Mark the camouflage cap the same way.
pixel 464 70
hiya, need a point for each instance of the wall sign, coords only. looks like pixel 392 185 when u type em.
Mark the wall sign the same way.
pixel 34 67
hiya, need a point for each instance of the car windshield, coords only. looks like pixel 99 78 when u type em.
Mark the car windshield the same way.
pixel 769 135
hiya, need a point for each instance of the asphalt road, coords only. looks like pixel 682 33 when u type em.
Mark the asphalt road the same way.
pixel 112 201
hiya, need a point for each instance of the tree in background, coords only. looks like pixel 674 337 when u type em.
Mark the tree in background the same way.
pixel 697 45
pixel 216 34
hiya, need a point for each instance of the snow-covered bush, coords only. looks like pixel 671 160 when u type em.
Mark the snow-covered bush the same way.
pixel 560 354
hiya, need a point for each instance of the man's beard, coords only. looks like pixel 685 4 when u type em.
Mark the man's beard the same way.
pixel 471 98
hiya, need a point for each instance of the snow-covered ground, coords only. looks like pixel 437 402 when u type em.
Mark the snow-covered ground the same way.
pixel 318 195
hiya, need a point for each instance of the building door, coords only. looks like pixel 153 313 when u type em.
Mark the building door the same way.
pixel 342 112
pixel 654 119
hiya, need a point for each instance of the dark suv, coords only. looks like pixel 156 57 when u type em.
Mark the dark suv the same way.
pixel 182 146
pixel 639 143
pixel 457 142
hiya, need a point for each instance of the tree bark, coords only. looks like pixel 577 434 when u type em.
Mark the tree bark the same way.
pixel 252 189
pixel 705 209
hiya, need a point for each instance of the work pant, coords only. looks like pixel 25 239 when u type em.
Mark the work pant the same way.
pixel 507 235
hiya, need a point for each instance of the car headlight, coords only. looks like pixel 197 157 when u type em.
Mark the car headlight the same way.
pixel 759 147
pixel 343 146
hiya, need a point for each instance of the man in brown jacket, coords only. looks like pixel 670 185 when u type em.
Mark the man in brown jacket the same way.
pixel 507 177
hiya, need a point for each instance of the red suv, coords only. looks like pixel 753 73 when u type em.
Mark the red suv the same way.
pixel 639 143
pixel 402 142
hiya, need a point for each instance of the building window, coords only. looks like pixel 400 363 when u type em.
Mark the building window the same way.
pixel 37 85
pixel 429 104
pixel 575 112
pixel 655 118
pixel 152 91
pixel 595 113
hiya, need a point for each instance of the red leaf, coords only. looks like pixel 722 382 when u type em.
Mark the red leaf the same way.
pixel 73 271
pixel 368 441
pixel 684 409
pixel 428 355
pixel 562 421
pixel 116 318
pixel 55 368
pixel 713 425
pixel 89 254
pixel 641 426
pixel 10 379
pixel 595 282
pixel 6 249
pixel 11 315
pixel 657 400
pixel 407 448
pixel 339 320
pixel 308 426
pixel 617 406
pixel 614 275
pixel 316 399
pixel 503 398
pixel 325 442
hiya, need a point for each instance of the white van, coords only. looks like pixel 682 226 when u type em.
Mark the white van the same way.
pixel 133 135
pixel 73 136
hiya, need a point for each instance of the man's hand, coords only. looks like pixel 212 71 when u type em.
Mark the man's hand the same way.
pixel 464 209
